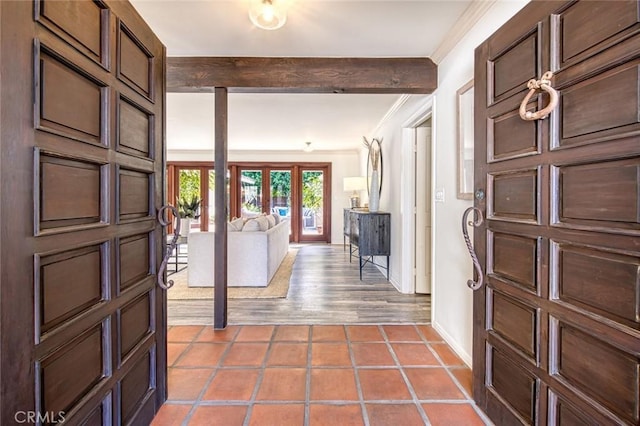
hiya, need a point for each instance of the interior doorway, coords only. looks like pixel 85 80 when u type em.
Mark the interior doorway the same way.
pixel 423 211
pixel 417 201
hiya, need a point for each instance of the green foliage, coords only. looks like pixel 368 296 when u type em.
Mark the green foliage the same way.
pixel 189 184
pixel 312 190
pixel 280 183
pixel 189 207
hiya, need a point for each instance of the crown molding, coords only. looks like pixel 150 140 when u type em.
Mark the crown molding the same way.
pixel 469 18
pixel 391 112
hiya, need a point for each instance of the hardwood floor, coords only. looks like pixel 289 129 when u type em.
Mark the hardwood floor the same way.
pixel 325 289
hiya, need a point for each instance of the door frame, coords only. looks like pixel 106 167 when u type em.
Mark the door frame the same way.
pixel 409 185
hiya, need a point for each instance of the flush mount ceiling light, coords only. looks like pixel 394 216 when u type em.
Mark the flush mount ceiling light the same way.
pixel 267 14
pixel 307 147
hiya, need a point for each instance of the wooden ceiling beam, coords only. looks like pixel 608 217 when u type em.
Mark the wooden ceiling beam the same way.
pixel 302 75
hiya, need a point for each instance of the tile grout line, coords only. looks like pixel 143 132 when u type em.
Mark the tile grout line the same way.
pixel 363 407
pixel 446 368
pixel 407 382
pixel 307 386
pixel 252 401
pixel 207 383
pixel 469 398
pixel 187 348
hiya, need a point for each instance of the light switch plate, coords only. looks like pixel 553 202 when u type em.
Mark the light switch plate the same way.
pixel 439 195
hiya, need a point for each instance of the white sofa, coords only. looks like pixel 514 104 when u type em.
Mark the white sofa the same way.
pixel 253 257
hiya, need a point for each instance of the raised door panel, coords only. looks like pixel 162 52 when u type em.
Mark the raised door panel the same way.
pixel 511 69
pixel 83 24
pixel 508 137
pixel 69 193
pixel 134 194
pixel 135 62
pixel 602 106
pixel 598 195
pixel 595 368
pixel 514 196
pixel 135 129
pixel 580 39
pixel 514 322
pixel 598 281
pixel 84 98
pixel 514 259
pixel 135 386
pixel 134 323
pixel 87 357
pixel 133 254
pixel 68 284
pixel 513 385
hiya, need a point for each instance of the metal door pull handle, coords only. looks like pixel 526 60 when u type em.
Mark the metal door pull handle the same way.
pixel 473 285
pixel 170 248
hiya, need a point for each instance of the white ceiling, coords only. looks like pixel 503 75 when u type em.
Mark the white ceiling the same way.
pixel 325 28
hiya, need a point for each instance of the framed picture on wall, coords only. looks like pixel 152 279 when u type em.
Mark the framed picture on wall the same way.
pixel 464 97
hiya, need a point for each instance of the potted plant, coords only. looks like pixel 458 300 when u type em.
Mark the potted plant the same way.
pixel 188 209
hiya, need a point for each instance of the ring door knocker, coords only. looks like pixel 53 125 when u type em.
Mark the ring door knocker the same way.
pixel 473 285
pixel 534 85
pixel 170 247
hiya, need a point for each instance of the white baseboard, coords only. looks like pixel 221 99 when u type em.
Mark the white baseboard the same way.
pixel 466 357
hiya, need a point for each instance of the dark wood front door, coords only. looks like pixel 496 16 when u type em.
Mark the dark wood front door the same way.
pixel 81 176
pixel 556 335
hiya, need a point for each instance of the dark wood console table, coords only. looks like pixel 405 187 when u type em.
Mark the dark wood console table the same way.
pixel 370 233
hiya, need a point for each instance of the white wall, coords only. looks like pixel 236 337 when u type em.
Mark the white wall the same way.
pixel 391 132
pixel 343 164
pixel 452 305
pixel 452 299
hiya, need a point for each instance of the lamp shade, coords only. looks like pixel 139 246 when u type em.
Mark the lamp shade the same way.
pixel 268 14
pixel 355 183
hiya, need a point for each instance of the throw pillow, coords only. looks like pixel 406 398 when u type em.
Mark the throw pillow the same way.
pixel 263 222
pixel 251 225
pixel 276 217
pixel 235 225
pixel 272 221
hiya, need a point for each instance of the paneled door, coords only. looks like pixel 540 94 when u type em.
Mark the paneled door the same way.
pixel 81 178
pixel 556 328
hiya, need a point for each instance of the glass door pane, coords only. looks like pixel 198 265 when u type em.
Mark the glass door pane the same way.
pixel 312 202
pixel 281 192
pixel 189 190
pixel 251 192
pixel 212 198
pixel 280 182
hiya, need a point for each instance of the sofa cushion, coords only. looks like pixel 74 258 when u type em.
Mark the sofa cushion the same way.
pixel 235 225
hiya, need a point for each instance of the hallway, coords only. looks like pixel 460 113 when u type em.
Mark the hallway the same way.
pixel 315 375
pixel 325 288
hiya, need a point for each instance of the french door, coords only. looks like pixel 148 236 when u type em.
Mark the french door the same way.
pixel 83 330
pixel 557 326
pixel 300 193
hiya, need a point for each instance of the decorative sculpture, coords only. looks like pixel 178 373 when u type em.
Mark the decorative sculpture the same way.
pixel 375 160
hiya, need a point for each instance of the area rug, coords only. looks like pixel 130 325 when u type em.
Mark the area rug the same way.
pixel 277 288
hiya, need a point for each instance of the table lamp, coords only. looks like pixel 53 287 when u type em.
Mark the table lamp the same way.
pixel 353 185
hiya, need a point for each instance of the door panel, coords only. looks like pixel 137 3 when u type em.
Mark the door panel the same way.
pixel 81 181
pixel 556 338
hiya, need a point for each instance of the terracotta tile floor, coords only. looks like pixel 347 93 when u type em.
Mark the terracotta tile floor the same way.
pixel 334 375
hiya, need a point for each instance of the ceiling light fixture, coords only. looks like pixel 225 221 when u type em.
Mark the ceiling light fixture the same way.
pixel 267 14
pixel 307 147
